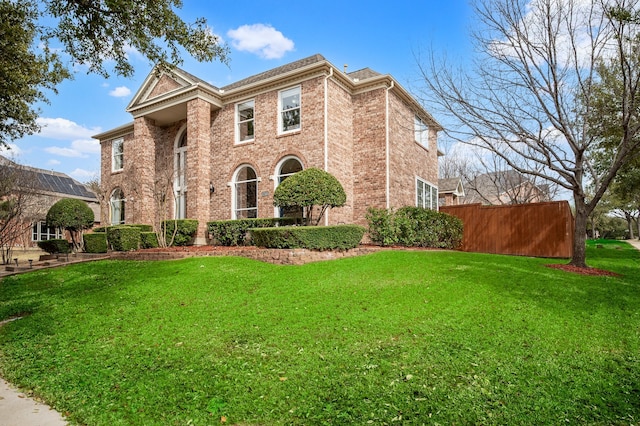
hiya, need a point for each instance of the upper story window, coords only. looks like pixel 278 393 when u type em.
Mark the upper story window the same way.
pixel 426 195
pixel 117 154
pixel 245 121
pixel 421 131
pixel 289 107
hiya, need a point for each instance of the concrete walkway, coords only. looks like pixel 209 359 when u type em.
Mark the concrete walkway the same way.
pixel 16 409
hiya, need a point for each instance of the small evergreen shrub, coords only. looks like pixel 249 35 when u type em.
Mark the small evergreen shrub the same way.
pixel 148 240
pixel 339 237
pixel 142 226
pixel 414 227
pixel 55 246
pixel 236 232
pixel 123 237
pixel 95 242
pixel 185 231
pixel 100 229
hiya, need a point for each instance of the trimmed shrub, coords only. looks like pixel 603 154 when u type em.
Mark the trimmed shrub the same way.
pixel 185 231
pixel 142 226
pixel 99 229
pixel 236 232
pixel 308 188
pixel 340 237
pixel 123 237
pixel 95 242
pixel 55 246
pixel 148 240
pixel 414 227
pixel 73 215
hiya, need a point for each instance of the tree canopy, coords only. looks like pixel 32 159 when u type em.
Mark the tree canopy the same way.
pixel 97 34
pixel 72 215
pixel 308 188
pixel 538 78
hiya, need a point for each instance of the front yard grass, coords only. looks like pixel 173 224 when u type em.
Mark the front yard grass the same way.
pixel 413 337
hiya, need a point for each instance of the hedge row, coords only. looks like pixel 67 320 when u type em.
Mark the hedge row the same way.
pixel 340 237
pixel 132 237
pixel 236 232
pixel 55 246
pixel 414 227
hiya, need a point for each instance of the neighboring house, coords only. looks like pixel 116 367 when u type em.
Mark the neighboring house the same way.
pixel 505 187
pixel 40 190
pixel 207 153
pixel 450 192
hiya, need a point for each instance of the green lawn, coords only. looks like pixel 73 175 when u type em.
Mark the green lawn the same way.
pixel 413 337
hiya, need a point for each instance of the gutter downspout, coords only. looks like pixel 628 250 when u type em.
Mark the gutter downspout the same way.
pixel 387 157
pixel 326 131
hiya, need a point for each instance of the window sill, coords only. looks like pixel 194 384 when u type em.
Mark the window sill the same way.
pixel 243 143
pixel 289 133
pixel 117 172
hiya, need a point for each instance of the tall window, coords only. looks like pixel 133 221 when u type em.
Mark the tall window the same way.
pixel 289 105
pixel 245 193
pixel 244 120
pixel 426 195
pixel 288 167
pixel 180 180
pixel 116 203
pixel 421 131
pixel 42 232
pixel 117 154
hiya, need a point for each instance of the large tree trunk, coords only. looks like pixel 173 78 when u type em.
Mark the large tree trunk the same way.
pixel 629 219
pixel 579 234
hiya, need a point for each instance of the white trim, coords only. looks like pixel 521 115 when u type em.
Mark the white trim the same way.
pixel 278 175
pixel 180 187
pixel 235 182
pixel 122 206
pixel 237 122
pixel 281 131
pixel 433 202
pixel 119 141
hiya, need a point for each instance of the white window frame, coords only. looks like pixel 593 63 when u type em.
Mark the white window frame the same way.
pixel 117 154
pixel 282 111
pixel 426 194
pixel 180 175
pixel 40 230
pixel 112 209
pixel 421 132
pixel 235 183
pixel 249 121
pixel 278 177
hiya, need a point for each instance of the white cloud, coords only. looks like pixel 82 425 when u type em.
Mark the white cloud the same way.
pixel 263 40
pixel 11 150
pixel 63 129
pixel 83 175
pixel 120 92
pixel 53 162
pixel 79 148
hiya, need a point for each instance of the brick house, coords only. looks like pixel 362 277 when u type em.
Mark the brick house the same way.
pixel 37 190
pixel 207 153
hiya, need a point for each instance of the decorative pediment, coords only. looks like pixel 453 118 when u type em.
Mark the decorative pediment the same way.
pixel 164 94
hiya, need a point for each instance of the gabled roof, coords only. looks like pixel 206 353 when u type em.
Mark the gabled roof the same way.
pixel 48 181
pixel 450 186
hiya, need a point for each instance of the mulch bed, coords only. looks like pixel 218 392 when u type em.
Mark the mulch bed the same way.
pixel 584 271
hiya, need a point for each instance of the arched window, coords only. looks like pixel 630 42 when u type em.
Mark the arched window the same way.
pixel 287 167
pixel 116 203
pixel 180 173
pixel 245 185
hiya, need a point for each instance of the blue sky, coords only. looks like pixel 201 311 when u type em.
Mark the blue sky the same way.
pixel 261 35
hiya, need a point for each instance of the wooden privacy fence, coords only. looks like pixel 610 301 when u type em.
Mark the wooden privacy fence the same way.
pixel 536 229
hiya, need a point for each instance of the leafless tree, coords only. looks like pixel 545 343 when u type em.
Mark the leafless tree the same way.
pixel 20 206
pixel 529 93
